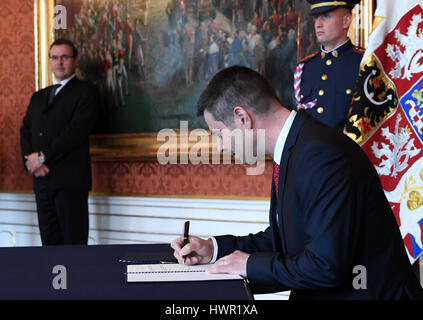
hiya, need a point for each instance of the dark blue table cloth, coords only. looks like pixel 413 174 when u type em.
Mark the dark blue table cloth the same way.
pixel 96 272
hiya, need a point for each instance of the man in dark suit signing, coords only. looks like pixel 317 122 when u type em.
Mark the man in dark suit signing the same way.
pixel 55 149
pixel 329 218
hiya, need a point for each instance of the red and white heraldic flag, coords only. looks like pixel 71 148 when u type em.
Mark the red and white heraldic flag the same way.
pixel 386 115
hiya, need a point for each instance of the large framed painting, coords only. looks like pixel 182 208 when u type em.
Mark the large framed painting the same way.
pixel 152 58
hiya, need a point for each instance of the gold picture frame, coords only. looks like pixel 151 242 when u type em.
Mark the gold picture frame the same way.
pixel 145 146
pixel 112 147
pixel 362 25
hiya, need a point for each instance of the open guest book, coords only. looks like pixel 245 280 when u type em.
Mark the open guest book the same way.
pixel 173 272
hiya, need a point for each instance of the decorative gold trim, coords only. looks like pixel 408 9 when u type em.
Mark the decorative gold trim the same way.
pixel 181 196
pixel 149 195
pixel 44 36
pixel 145 146
pixel 328 3
pixel 362 25
pixel 18 191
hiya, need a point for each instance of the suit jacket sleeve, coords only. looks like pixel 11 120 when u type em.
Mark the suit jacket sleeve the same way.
pixel 326 192
pixel 78 129
pixel 26 141
pixel 261 241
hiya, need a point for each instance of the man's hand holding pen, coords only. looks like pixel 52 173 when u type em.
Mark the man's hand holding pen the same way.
pixel 200 251
pixel 197 251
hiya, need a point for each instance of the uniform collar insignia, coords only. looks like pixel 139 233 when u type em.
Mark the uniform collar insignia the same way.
pixel 338 50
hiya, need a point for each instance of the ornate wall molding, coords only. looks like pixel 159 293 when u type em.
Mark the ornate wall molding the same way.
pixel 115 219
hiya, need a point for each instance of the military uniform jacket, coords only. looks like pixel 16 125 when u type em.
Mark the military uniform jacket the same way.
pixel 324 83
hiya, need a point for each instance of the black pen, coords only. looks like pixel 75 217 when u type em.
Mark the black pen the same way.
pixel 186 232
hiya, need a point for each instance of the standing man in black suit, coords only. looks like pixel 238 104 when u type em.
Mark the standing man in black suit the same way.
pixel 55 149
pixel 329 218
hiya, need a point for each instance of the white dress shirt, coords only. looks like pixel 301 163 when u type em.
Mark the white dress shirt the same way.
pixel 63 83
pixel 280 143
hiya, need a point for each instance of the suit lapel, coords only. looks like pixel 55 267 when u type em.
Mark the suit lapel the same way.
pixel 61 93
pixel 273 222
pixel 283 168
pixel 286 154
pixel 45 98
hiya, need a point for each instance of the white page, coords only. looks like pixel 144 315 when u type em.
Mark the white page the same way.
pixel 173 272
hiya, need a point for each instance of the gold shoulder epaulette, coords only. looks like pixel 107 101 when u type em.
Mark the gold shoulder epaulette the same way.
pixel 309 57
pixel 359 49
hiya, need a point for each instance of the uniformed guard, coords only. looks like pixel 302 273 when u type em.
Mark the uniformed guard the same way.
pixel 324 81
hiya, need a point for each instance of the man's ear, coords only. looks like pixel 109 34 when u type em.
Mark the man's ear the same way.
pixel 242 118
pixel 347 19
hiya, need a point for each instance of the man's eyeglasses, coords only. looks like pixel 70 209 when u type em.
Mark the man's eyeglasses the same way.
pixel 65 57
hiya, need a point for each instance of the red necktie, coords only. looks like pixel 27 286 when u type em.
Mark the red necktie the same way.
pixel 276 176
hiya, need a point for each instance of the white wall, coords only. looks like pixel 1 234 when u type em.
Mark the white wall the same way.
pixel 137 219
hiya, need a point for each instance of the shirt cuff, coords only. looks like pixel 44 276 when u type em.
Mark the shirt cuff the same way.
pixel 215 249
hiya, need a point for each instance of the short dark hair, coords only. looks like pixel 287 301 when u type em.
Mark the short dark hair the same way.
pixel 236 86
pixel 62 41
